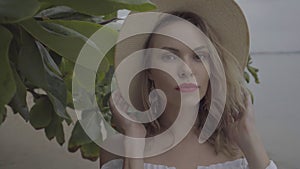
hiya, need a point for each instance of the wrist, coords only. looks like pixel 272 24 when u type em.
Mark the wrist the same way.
pixel 134 131
pixel 249 138
pixel 254 151
pixel 257 160
pixel 134 147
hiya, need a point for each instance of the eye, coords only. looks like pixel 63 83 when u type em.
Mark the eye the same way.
pixel 168 57
pixel 201 56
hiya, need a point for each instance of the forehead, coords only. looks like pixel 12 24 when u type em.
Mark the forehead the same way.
pixel 178 33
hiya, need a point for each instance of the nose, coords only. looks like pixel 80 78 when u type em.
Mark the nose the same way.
pixel 184 71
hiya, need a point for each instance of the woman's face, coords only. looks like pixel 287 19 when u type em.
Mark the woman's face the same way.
pixel 175 52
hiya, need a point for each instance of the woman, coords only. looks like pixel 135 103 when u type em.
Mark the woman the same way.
pixel 188 55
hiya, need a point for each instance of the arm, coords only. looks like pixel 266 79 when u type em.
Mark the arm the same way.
pixel 129 128
pixel 254 151
pixel 243 132
pixel 134 148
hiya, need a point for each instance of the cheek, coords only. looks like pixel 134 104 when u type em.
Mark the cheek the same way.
pixel 163 80
pixel 203 79
pixel 205 83
pixel 167 84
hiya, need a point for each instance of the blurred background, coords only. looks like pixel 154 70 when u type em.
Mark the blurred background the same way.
pixel 275 49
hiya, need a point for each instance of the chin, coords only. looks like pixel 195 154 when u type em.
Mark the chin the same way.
pixel 190 99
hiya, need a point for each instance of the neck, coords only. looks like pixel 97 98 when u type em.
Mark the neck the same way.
pixel 171 113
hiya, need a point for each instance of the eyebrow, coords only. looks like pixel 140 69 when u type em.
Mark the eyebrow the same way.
pixel 200 47
pixel 177 51
pixel 171 49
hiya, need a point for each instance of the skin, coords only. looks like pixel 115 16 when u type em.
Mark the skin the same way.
pixel 242 129
pixel 175 52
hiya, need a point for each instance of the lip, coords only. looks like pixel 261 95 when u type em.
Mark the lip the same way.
pixel 187 87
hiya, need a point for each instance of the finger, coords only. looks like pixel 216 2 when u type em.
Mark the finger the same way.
pixel 243 114
pixel 250 109
pixel 112 101
pixel 117 100
pixel 250 105
pixel 235 115
pixel 119 103
pixel 231 118
pixel 113 106
pixel 120 107
pixel 123 105
pixel 118 94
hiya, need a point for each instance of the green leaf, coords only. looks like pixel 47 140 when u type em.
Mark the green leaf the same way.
pixel 7 82
pixel 2 114
pixel 90 151
pixel 253 72
pixel 91 122
pixel 103 7
pixel 252 69
pixel 55 129
pixel 104 66
pixel 111 15
pixel 50 130
pixel 56 12
pixel 31 63
pixel 56 57
pixel 67 68
pixel 41 113
pixel 48 59
pixel 70 100
pixel 14 47
pixel 63 40
pixel 84 94
pixel 78 138
pixel 60 135
pixel 105 73
pixel 110 56
pixel 247 77
pixel 67 13
pixel 12 11
pixel 19 103
pixel 59 107
pixel 44 6
pixel 86 29
pixel 252 97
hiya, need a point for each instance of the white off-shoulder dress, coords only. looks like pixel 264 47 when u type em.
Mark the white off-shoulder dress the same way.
pixel 240 163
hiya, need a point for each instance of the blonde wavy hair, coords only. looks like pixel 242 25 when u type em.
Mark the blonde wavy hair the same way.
pixel 235 96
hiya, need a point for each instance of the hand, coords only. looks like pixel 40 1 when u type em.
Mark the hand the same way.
pixel 122 120
pixel 242 126
pixel 242 131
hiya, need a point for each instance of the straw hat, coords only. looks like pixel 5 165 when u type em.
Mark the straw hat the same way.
pixel 225 17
